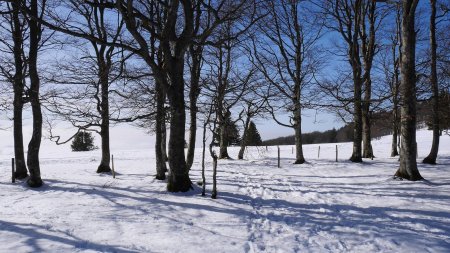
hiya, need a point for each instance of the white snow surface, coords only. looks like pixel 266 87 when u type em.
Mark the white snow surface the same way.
pixel 320 206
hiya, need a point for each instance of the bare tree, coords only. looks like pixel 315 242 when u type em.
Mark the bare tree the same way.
pixel 13 42
pixel 227 84
pixel 395 86
pixel 431 158
pixel 288 60
pixel 344 17
pixel 203 22
pixel 99 70
pixel 408 152
pixel 34 145
pixel 173 40
pixel 391 57
pixel 371 17
pixel 255 104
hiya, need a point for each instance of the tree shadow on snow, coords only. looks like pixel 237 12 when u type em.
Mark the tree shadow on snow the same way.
pixel 36 234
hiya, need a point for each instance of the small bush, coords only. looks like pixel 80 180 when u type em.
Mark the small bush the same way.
pixel 83 141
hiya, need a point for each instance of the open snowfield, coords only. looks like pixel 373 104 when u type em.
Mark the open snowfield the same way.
pixel 321 206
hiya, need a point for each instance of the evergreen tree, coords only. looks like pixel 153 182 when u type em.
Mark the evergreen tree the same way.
pixel 252 138
pixel 444 110
pixel 83 141
pixel 231 134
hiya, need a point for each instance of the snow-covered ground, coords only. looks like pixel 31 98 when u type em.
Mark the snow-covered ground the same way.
pixel 321 206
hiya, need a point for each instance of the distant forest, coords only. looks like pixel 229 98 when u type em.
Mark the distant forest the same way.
pixel 381 126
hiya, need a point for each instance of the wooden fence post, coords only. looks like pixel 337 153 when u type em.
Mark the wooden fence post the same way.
pixel 318 153
pixel 13 179
pixel 278 156
pixel 417 152
pixel 214 186
pixel 336 153
pixel 112 167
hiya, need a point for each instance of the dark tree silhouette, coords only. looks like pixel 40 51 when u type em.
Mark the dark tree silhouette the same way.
pixel 83 141
pixel 252 138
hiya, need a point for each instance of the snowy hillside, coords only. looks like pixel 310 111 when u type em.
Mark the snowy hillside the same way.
pixel 321 206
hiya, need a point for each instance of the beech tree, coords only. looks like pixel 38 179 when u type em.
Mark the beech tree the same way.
pixel 395 85
pixel 14 68
pixel 370 24
pixel 173 42
pixel 97 70
pixel 431 158
pixel 34 145
pixel 242 23
pixel 287 57
pixel 344 17
pixel 227 84
pixel 408 151
pixel 390 61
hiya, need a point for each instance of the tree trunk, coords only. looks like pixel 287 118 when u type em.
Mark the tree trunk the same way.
pixel 160 159
pixel 203 156
pixel 223 150
pixel 355 62
pixel 214 186
pixel 21 168
pixel 194 92
pixel 408 164
pixel 367 144
pixel 394 151
pixel 368 50
pixel 357 128
pixel 106 154
pixel 431 158
pixel 164 137
pixel 244 138
pixel 299 159
pixel 192 134
pixel 35 142
pixel 104 111
pixel 395 109
pixel 179 174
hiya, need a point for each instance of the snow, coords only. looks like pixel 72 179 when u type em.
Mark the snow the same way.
pixel 320 206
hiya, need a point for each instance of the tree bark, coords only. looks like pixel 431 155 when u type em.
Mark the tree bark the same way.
pixel 104 71
pixel 366 123
pixel 368 50
pixel 408 152
pixel 160 159
pixel 394 151
pixel 357 127
pixel 431 158
pixel 299 158
pixel 194 92
pixel 164 139
pixel 355 62
pixel 21 168
pixel 223 150
pixel 192 132
pixel 396 85
pixel 179 174
pixel 214 186
pixel 203 156
pixel 35 143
